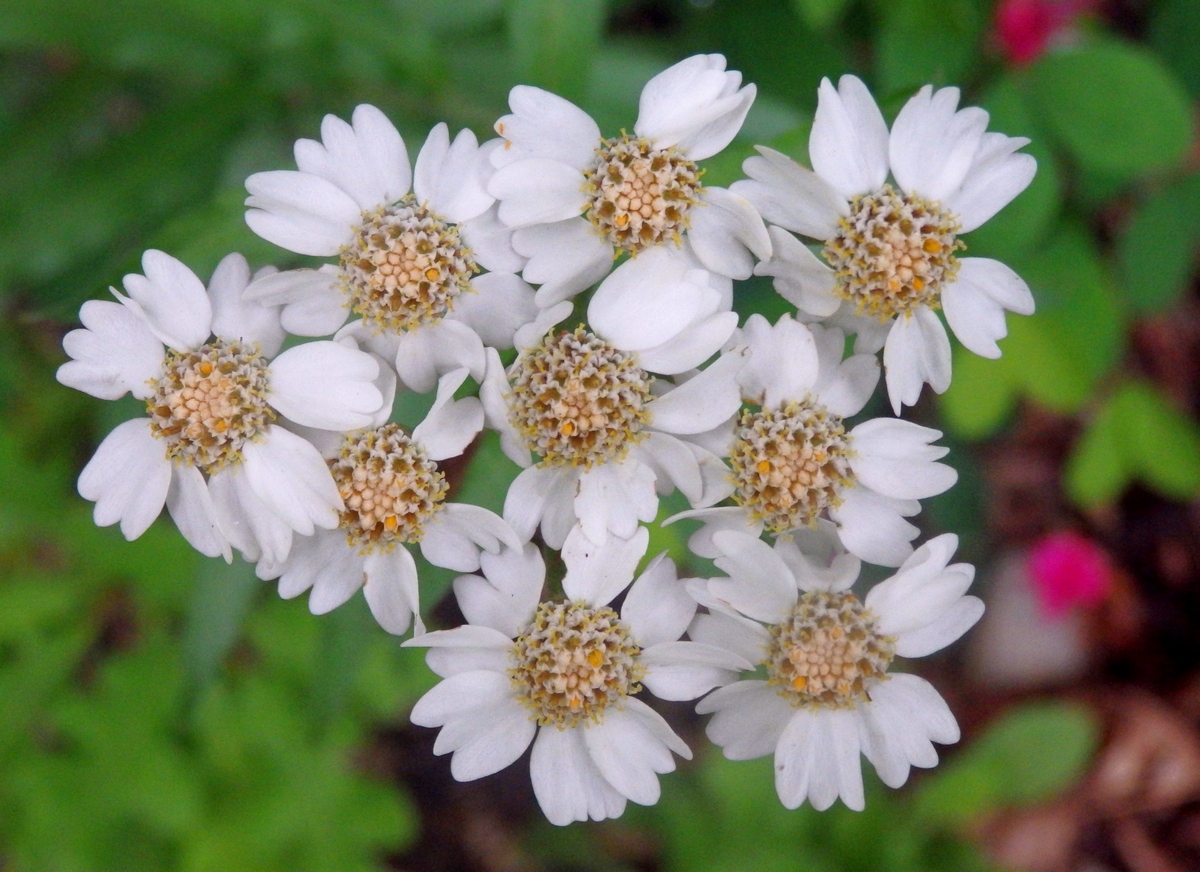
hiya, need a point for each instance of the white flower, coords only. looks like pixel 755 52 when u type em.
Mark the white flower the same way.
pixel 211 448
pixel 828 695
pixel 407 261
pixel 608 436
pixel 394 496
pixel 794 460
pixel 892 254
pixel 578 199
pixel 561 675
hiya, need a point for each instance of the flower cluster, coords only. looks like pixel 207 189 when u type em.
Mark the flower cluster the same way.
pixel 572 290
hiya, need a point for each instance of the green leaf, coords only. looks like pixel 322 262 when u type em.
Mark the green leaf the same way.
pixel 820 15
pixel 1174 35
pixel 1030 754
pixel 1096 473
pixel 1158 250
pixel 1161 444
pixel 221 599
pixel 1114 107
pixel 981 397
pixel 923 41
pixel 553 42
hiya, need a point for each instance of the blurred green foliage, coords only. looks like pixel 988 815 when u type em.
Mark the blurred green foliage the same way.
pixel 159 711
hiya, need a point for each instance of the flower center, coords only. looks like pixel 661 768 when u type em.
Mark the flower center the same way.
pixel 389 487
pixel 207 403
pixel 404 267
pixel 790 463
pixel 578 400
pixel 826 651
pixel 893 253
pixel 573 662
pixel 640 195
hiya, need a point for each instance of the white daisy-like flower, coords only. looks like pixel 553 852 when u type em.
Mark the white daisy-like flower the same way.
pixel 395 497
pixel 410 244
pixel 828 695
pixel 561 675
pixel 577 199
pixel 891 253
pixel 609 438
pixel 794 461
pixel 211 448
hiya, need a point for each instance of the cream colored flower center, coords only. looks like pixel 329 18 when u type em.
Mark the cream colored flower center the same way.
pixel 893 253
pixel 207 403
pixel 640 195
pixel 405 267
pixel 389 487
pixel 825 653
pixel 790 463
pixel 577 400
pixel 573 662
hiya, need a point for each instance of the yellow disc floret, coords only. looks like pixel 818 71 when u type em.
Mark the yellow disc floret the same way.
pixel 389 487
pixel 207 403
pixel 893 253
pixel 640 195
pixel 790 463
pixel 405 267
pixel 824 653
pixel 573 662
pixel 577 400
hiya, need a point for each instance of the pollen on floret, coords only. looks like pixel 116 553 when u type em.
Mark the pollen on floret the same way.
pixel 572 662
pixel 893 253
pixel 639 195
pixel 824 654
pixel 405 267
pixel 790 463
pixel 577 400
pixel 208 403
pixel 389 488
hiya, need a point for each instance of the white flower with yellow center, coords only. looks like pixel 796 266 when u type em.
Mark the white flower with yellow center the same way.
pixel 409 261
pixel 795 461
pixel 211 447
pixel 394 496
pixel 562 675
pixel 608 436
pixel 577 199
pixel 892 252
pixel 828 695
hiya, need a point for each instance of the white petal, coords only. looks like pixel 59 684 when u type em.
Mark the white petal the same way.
pixel 597 573
pixel 791 195
pixel 194 514
pixel 326 385
pixel 748 719
pixel 506 734
pixel 872 526
pixel 727 234
pixel 686 670
pixel 289 475
pixel 248 523
pixel 506 599
pixel 538 191
pixel 976 319
pixel 657 607
pixel 691 347
pixel 917 351
pixel 390 588
pixel 301 212
pixel 760 585
pixel 426 354
pixel 702 402
pixel 490 240
pixel 450 424
pixel 800 278
pixel 695 105
pixel 564 257
pixel 996 176
pixel 484 528
pixel 383 152
pixel 896 458
pixel 932 145
pixel 997 281
pixel 783 363
pixel 627 756
pixel 946 630
pixel 848 145
pixel 338 573
pixel 743 638
pixel 446 546
pixel 674 465
pixel 716 519
pixel 545 125
pixel 904 715
pixel 451 178
pixel 235 317
pixel 172 301
pixel 127 478
pixel 460 695
pixel 526 499
pixel 817 759
pixel 613 497
pixel 313 302
pixel 114 353
pixel 501 304
pixel 566 782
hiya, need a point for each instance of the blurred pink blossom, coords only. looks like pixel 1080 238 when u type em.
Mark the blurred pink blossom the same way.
pixel 1067 570
pixel 1025 28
